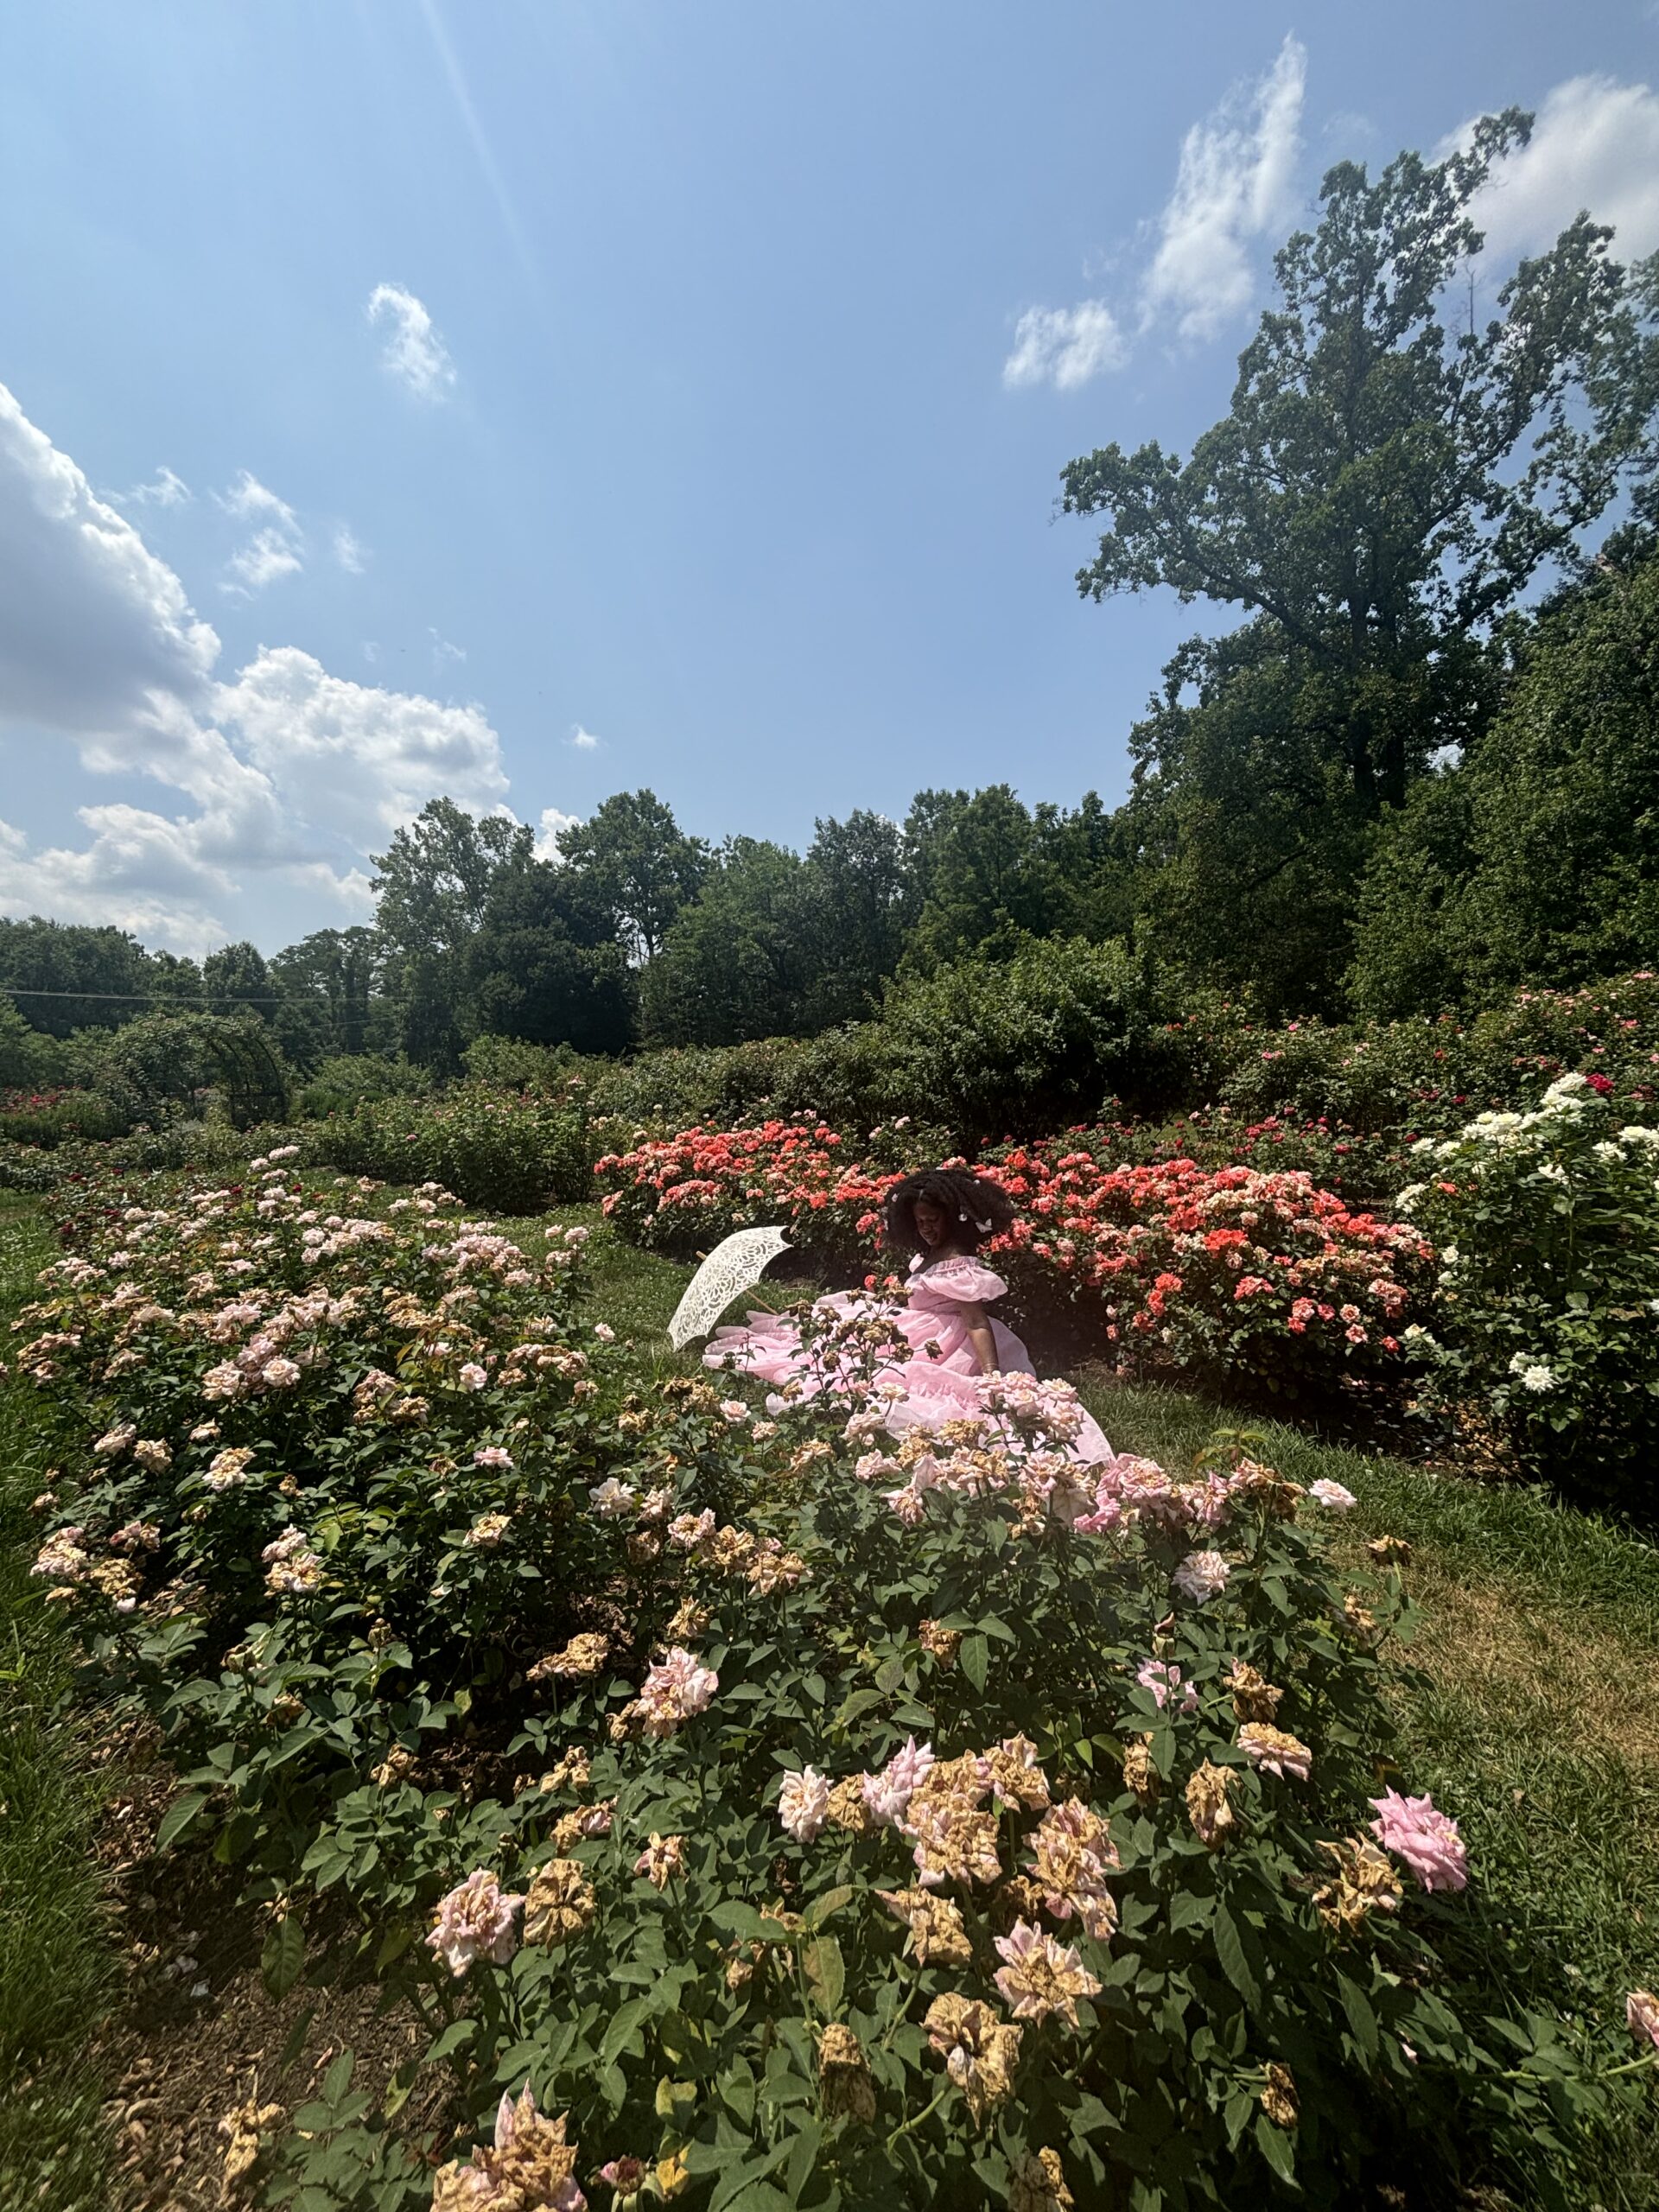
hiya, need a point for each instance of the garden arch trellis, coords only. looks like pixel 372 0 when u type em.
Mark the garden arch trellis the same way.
pixel 173 1056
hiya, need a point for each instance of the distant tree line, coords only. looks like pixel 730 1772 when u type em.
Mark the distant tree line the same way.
pixel 1422 769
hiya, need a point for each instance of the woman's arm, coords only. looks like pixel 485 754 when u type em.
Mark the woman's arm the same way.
pixel 979 1336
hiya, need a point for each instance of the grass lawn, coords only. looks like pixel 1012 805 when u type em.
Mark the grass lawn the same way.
pixel 57 1957
pixel 1530 1702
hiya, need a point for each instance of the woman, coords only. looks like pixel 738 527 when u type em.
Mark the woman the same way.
pixel 940 1218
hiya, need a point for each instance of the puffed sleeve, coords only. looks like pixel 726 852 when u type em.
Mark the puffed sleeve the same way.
pixel 966 1282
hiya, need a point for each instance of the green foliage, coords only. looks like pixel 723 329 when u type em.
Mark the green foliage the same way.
pixel 331 985
pixel 988 874
pixel 730 966
pixel 344 1080
pixel 491 1148
pixel 1547 1225
pixel 1385 484
pixel 1538 860
pixel 1027 1043
pixel 1260 833
pixel 637 864
pixel 236 980
pixel 78 977
pixel 515 1065
pixel 1382 490
pixel 545 965
pixel 30 1059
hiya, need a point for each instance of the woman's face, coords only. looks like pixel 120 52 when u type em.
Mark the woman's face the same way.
pixel 932 1222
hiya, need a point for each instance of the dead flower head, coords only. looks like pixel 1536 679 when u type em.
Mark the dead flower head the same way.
pixel 1279 2095
pixel 844 2076
pixel 560 1904
pixel 1140 1775
pixel 579 1660
pixel 1208 1805
pixel 936 1933
pixel 980 2050
pixel 1254 1697
pixel 1038 2184
pixel 847 1809
pixel 1365 1882
pixel 530 2164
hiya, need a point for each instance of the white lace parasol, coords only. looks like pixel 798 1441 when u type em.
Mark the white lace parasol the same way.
pixel 731 1267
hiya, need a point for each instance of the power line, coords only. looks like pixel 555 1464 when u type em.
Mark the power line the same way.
pixel 135 998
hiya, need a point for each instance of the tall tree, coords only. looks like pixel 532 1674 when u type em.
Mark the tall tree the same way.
pixel 1386 480
pixel 1390 478
pixel 1537 860
pixel 855 906
pixel 69 976
pixel 731 966
pixel 328 981
pixel 634 861
pixel 985 879
pixel 235 980
pixel 1252 837
pixel 544 966
pixel 434 880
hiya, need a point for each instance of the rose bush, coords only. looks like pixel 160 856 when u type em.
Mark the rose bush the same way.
pixel 761 1812
pixel 1547 1312
pixel 1232 1268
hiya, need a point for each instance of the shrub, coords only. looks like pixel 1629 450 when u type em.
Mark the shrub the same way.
pixel 50 1116
pixel 514 1065
pixel 491 1148
pixel 1024 1044
pixel 345 1080
pixel 1548 1318
pixel 806 1818
pixel 1427 1074
pixel 1229 1270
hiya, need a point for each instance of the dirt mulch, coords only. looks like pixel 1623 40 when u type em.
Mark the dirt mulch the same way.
pixel 196 2032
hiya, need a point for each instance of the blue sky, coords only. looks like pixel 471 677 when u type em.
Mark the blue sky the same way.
pixel 532 400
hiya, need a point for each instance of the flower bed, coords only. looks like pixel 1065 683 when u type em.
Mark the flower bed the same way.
pixel 1547 1318
pixel 759 1812
pixel 1231 1268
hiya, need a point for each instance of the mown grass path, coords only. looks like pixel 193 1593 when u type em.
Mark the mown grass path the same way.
pixel 58 1974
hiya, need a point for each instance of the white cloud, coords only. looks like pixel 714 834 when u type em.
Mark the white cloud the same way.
pixel 361 759
pixel 248 500
pixel 277 547
pixel 96 634
pixel 1595 144
pixel 266 555
pixel 547 835
pixel 165 490
pixel 1064 347
pixel 348 549
pixel 413 352
pixel 442 651
pixel 1234 184
pixel 584 740
pixel 292 776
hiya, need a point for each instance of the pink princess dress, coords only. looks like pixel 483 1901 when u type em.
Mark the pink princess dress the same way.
pixel 941 1378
